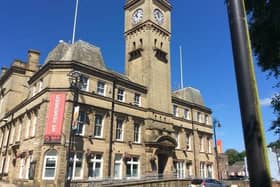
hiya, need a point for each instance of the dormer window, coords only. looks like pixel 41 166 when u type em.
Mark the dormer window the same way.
pixel 137 99
pixel 84 83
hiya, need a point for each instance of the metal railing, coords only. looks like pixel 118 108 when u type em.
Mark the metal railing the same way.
pixel 121 181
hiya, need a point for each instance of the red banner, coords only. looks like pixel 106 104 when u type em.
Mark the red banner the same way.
pixel 55 118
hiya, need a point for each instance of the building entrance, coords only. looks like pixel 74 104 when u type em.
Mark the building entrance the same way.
pixel 162 161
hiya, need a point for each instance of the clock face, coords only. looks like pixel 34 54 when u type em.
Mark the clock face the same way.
pixel 158 15
pixel 137 16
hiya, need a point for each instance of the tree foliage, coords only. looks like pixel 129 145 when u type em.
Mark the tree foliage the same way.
pixel 234 156
pixel 264 25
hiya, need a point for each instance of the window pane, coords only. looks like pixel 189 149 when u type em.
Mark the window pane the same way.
pixel 49 172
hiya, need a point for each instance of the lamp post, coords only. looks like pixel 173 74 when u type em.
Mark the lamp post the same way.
pixel 75 81
pixel 216 123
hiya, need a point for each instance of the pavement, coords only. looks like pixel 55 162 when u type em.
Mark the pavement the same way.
pixel 4 184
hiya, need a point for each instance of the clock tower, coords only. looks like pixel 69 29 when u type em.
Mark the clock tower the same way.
pixel 147 37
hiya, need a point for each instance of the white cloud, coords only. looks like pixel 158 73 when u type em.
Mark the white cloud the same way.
pixel 265 102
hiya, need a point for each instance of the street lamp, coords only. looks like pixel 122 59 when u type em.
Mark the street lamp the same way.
pixel 216 123
pixel 75 86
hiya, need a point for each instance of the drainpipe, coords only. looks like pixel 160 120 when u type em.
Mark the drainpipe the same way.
pixel 194 150
pixel 111 130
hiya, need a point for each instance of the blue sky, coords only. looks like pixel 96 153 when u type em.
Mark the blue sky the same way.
pixel 200 26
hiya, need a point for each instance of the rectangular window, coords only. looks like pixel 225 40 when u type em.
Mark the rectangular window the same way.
pixel 1 102
pixel 101 88
pixel 40 87
pixel 119 129
pixel 34 124
pixel 34 90
pixel 12 135
pixel 76 165
pixel 187 114
pixel 118 166
pixel 202 170
pixel 27 127
pixel 201 144
pixel 177 136
pixel 50 165
pixel 19 131
pixel 209 145
pixel 189 170
pixel 188 141
pixel 7 164
pixel 84 83
pixel 95 167
pixel 137 133
pixel 180 169
pixel 28 166
pixel 98 126
pixel 132 167
pixel 6 132
pixel 137 100
pixel 22 168
pixel 206 119
pixel 175 112
pixel 120 96
pixel 209 171
pixel 198 117
pixel 81 123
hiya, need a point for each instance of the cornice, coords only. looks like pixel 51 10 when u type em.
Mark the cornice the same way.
pixel 192 105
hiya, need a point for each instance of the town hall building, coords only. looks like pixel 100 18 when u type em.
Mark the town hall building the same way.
pixel 74 119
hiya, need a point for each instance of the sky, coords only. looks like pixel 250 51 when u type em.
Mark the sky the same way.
pixel 200 27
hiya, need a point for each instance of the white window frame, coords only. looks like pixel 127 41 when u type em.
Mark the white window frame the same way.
pixel 6 131
pixel 187 114
pixel 101 126
pixel 137 133
pixel 201 143
pixel 101 88
pixel 34 89
pixel 137 99
pixel 188 141
pixel 209 170
pixel 40 86
pixel 84 86
pixel 53 157
pixel 34 124
pixel 202 170
pixel 177 135
pixel 13 129
pixel 1 163
pixel 132 163
pixel 1 102
pixel 94 160
pixel 175 110
pixel 198 117
pixel 22 168
pixel 27 127
pixel 28 162
pixel 119 129
pixel 120 163
pixel 7 164
pixel 82 118
pixel 121 95
pixel 206 118
pixel 74 160
pixel 188 170
pixel 19 131
pixel 209 145
pixel 180 169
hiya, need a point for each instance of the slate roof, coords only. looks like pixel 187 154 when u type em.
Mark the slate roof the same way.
pixel 80 51
pixel 189 94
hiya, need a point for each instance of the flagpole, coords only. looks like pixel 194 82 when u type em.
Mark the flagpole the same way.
pixel 181 67
pixel 75 21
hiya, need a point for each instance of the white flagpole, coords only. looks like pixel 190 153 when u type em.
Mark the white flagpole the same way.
pixel 181 67
pixel 75 21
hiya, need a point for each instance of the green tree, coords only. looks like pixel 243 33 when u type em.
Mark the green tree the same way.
pixel 234 156
pixel 264 26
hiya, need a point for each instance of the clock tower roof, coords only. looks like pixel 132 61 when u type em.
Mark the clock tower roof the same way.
pixel 165 3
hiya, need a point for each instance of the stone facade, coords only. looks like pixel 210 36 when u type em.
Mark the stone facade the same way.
pixel 129 126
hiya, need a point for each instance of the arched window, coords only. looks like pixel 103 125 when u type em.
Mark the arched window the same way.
pixel 50 163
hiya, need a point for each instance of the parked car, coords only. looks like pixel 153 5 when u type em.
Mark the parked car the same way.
pixel 206 183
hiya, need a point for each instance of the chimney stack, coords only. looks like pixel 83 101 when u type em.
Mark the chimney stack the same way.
pixel 33 60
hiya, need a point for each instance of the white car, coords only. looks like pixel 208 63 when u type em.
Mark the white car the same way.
pixel 206 183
